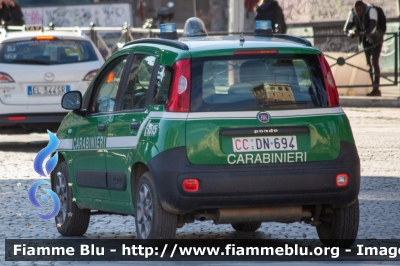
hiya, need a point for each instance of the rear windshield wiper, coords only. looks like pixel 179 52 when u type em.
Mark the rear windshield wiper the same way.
pixel 271 103
pixel 31 61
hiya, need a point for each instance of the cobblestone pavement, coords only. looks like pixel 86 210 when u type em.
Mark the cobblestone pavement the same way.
pixel 377 134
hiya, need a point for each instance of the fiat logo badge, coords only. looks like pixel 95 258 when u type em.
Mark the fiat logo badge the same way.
pixel 263 117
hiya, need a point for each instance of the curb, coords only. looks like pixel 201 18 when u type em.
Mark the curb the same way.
pixel 354 101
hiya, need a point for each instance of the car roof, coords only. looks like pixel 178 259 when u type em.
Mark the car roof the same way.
pixel 253 41
pixel 28 35
pixel 209 43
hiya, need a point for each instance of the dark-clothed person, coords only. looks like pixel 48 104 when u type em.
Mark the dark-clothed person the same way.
pixel 270 10
pixel 364 20
pixel 10 13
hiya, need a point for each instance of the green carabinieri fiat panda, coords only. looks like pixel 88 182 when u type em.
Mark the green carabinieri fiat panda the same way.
pixel 239 130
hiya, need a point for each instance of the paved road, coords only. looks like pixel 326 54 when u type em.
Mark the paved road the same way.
pixel 377 134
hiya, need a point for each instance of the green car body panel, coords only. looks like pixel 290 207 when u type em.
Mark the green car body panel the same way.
pixel 198 132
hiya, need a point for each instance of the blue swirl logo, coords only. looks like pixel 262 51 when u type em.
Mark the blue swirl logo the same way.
pixel 35 202
pixel 50 165
pixel 43 153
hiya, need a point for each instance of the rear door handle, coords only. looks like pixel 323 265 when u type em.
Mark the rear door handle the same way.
pixel 135 125
pixel 101 127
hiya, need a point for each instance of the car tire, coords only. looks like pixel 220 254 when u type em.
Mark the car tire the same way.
pixel 246 227
pixel 70 220
pixel 339 226
pixel 151 220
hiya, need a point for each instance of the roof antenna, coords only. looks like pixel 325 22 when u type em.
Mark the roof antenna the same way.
pixel 242 40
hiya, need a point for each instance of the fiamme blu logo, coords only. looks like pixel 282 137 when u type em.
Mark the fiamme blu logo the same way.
pixel 49 166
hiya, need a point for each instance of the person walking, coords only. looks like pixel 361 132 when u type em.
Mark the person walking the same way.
pixel 270 10
pixel 363 20
pixel 10 13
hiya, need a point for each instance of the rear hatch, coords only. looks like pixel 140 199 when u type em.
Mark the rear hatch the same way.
pixel 264 108
pixel 42 70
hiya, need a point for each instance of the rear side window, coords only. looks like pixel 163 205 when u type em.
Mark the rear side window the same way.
pixel 249 83
pixel 47 52
pixel 163 85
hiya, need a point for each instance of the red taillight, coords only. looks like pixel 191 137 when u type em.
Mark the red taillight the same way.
pixel 255 52
pixel 5 78
pixel 16 118
pixel 179 99
pixel 190 185
pixel 331 89
pixel 89 76
pixel 342 180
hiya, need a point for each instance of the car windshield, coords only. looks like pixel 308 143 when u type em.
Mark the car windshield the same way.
pixel 257 83
pixel 47 52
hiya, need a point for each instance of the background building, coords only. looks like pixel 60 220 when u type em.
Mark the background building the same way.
pixel 320 21
pixel 52 2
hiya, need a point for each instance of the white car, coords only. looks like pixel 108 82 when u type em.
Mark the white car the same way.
pixel 36 69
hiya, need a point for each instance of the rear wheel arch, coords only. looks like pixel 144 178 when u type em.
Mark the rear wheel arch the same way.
pixel 138 169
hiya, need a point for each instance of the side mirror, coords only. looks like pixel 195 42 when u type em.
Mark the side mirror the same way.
pixel 72 100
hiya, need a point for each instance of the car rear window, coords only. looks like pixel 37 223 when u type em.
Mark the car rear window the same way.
pixel 257 83
pixel 47 52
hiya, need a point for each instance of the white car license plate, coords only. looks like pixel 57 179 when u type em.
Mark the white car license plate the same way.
pixel 272 143
pixel 48 90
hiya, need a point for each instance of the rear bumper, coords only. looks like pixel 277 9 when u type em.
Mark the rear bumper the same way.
pixel 31 118
pixel 256 185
